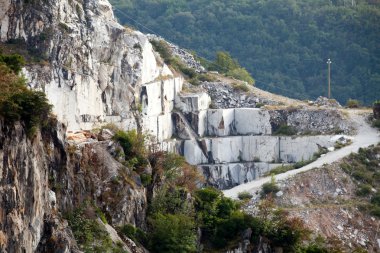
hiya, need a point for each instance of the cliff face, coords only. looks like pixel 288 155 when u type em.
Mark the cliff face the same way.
pixel 42 179
pixel 94 69
pixel 27 201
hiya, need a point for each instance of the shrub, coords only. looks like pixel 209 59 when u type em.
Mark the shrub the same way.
pixel 376 123
pixel 146 179
pixel 133 144
pixel 241 87
pixel 376 199
pixel 353 103
pixel 17 102
pixel 206 78
pixel 245 195
pixel 15 62
pixel 172 233
pixel 285 130
pixel 241 74
pixel 281 169
pixel 269 188
pixel 88 233
pixel 364 190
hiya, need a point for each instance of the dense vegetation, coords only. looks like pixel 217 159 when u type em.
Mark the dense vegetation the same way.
pixel 284 44
pixel 178 211
pixel 364 168
pixel 17 102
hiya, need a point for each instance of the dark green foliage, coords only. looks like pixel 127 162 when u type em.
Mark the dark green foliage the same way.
pixel 269 188
pixel 146 179
pixel 163 49
pixel 225 64
pixel 172 233
pixel 364 190
pixel 89 234
pixel 364 169
pixel 376 123
pixel 245 195
pixel 17 102
pixel 136 234
pixel 133 144
pixel 285 44
pixel 15 62
pixel 285 130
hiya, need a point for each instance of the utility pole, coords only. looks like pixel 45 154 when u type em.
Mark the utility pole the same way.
pixel 329 77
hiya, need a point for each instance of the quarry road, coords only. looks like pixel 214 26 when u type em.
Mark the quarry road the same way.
pixel 366 136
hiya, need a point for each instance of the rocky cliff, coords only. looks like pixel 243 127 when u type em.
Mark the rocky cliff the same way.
pixel 94 70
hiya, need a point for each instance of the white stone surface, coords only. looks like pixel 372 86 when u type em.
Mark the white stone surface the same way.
pixel 221 122
pixel 269 149
pixel 193 102
pixel 238 121
pixel 252 121
pixel 97 66
pixel 225 176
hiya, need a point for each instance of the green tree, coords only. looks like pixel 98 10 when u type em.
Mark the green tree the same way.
pixel 172 233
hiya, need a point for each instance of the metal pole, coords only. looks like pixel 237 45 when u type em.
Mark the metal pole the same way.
pixel 329 77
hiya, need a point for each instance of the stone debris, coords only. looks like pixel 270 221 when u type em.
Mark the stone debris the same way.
pixel 224 96
pixel 184 55
pixel 326 102
pixel 322 198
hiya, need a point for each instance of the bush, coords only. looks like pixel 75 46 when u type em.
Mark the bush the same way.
pixel 353 103
pixel 375 200
pixel 133 144
pixel 245 195
pixel 241 74
pixel 269 188
pixel 172 233
pixel 281 169
pixel 364 190
pixel 285 130
pixel 136 234
pixel 376 123
pixel 146 179
pixel 241 87
pixel 15 62
pixel 17 102
pixel 88 233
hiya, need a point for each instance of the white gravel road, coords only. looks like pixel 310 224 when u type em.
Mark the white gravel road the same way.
pixel 365 137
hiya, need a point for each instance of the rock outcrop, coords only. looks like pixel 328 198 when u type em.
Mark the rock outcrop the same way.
pixel 96 70
pixel 28 204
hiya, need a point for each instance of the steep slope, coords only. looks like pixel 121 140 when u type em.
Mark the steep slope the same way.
pixel 93 70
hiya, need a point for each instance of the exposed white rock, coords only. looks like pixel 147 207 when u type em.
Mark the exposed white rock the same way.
pixel 193 102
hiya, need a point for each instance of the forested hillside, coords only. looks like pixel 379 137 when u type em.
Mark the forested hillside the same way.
pixel 284 44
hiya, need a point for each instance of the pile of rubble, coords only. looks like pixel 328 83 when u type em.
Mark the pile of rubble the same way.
pixel 184 55
pixel 225 96
pixel 86 136
pixel 325 102
pixel 325 199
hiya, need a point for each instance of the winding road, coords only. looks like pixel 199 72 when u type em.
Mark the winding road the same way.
pixel 366 136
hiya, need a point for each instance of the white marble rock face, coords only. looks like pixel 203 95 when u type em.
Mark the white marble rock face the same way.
pixel 97 68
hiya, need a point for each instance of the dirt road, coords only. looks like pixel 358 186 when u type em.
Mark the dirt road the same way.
pixel 365 137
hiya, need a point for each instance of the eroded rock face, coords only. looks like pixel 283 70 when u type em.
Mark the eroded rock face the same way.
pixel 95 68
pixel 26 204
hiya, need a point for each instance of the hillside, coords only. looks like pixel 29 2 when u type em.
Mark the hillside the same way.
pixel 112 140
pixel 284 44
